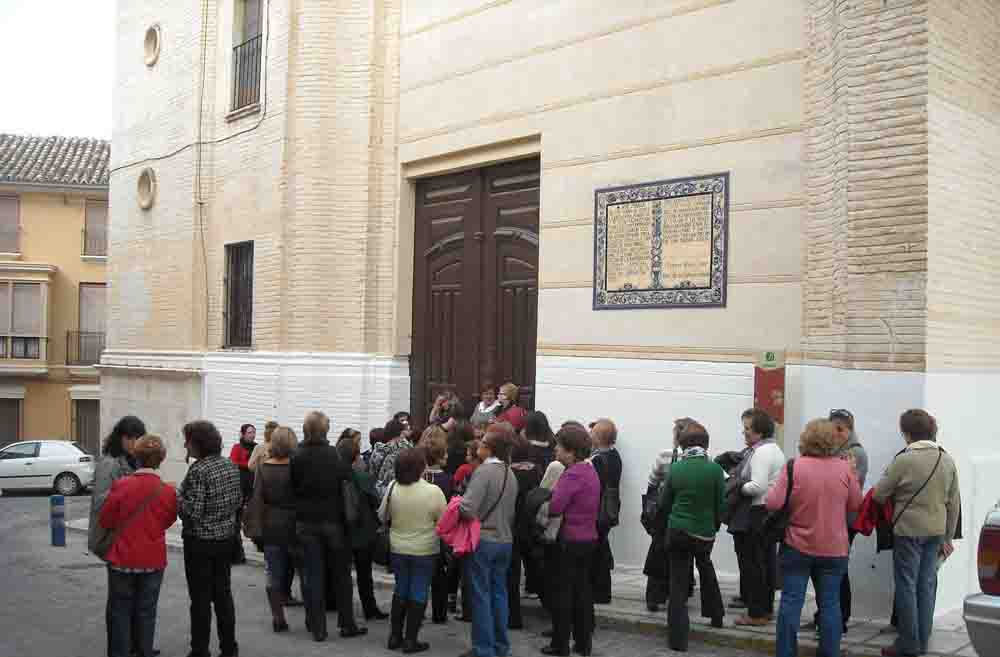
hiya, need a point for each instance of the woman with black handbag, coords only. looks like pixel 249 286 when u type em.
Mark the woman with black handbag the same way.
pixel 272 509
pixel 657 567
pixel 810 499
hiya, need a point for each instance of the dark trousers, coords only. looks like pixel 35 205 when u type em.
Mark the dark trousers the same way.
pixel 573 598
pixel 290 577
pixel 604 563
pixel 758 569
pixel 439 589
pixel 514 588
pixel 132 599
pixel 686 551
pixel 366 583
pixel 534 580
pixel 207 567
pixel 326 566
pixel 550 580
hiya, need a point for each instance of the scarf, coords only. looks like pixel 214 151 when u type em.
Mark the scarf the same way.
pixel 748 457
pixel 695 453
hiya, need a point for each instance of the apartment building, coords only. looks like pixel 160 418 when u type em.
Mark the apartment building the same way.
pixel 53 260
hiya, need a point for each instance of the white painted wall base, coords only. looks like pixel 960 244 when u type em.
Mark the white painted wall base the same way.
pixel 645 396
pixel 169 389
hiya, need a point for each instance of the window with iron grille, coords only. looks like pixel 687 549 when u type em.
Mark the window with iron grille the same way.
pixel 247 53
pixel 239 295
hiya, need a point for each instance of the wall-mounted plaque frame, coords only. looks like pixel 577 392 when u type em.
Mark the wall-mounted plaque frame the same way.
pixel 662 244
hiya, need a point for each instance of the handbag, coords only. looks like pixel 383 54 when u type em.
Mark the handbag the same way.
pixel 381 547
pixel 611 507
pixel 253 516
pixel 107 537
pixel 650 511
pixel 352 503
pixel 776 524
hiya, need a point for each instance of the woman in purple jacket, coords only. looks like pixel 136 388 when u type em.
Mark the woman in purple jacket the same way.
pixel 577 499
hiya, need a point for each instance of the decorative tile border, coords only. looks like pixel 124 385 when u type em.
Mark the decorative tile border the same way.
pixel 684 295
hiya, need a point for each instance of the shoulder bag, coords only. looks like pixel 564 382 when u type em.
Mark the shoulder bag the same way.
pixel 776 524
pixel 107 537
pixel 919 490
pixel 506 474
pixel 352 503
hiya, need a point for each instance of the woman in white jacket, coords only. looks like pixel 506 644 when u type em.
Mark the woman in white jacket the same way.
pixel 761 468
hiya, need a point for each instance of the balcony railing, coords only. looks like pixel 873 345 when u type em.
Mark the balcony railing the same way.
pixel 246 73
pixel 21 348
pixel 83 348
pixel 94 242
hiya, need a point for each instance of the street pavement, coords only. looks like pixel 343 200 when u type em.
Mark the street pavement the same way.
pixel 53 605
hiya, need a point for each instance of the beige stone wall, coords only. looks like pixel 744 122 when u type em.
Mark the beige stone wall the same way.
pixel 617 93
pixel 964 131
pixel 865 255
pixel 310 177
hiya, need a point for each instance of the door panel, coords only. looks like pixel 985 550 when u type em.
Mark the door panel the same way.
pixel 475 283
pixel 17 465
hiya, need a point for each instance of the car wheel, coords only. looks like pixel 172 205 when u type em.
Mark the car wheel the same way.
pixel 67 484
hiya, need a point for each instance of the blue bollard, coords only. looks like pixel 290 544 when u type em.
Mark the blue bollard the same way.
pixel 57 518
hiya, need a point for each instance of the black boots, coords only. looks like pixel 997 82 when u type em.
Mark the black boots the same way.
pixel 414 619
pixel 276 600
pixel 396 618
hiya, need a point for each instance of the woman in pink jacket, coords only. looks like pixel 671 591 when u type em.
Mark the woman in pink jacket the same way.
pixel 824 489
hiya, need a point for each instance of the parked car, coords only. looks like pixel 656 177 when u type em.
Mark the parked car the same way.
pixel 58 465
pixel 982 610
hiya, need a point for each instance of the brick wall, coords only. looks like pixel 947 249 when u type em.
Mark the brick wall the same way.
pixel 964 132
pixel 865 259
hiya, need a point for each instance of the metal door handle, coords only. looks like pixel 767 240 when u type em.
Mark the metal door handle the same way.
pixel 28 463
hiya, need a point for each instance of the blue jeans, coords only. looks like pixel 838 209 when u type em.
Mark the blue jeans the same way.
pixel 914 562
pixel 276 563
pixel 132 600
pixel 797 568
pixel 487 569
pixel 413 576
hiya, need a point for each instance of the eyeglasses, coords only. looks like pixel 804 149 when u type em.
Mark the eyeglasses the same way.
pixel 841 413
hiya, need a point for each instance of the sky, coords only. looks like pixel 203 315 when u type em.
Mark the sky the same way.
pixel 58 67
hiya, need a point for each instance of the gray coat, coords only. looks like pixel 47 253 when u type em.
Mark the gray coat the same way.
pixel 854 446
pixel 109 469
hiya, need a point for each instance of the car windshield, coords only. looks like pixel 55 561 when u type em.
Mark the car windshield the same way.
pixel 79 448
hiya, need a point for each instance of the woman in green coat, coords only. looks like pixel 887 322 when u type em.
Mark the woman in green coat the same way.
pixel 693 500
pixel 363 534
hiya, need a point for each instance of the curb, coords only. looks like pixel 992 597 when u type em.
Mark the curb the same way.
pixel 607 617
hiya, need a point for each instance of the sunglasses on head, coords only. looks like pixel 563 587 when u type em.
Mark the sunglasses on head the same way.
pixel 841 413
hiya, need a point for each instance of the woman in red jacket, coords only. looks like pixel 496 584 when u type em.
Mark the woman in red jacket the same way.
pixel 140 508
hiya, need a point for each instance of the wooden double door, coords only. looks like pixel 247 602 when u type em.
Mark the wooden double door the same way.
pixel 475 289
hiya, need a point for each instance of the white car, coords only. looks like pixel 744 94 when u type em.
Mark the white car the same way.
pixel 56 465
pixel 982 610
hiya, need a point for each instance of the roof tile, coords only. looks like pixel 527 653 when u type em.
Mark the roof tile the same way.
pixel 76 161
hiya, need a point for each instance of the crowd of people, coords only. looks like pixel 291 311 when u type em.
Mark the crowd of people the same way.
pixel 477 507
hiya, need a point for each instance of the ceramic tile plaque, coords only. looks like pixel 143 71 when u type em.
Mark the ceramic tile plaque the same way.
pixel 661 244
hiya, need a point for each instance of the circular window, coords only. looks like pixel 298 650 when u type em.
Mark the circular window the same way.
pixel 147 189
pixel 151 45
